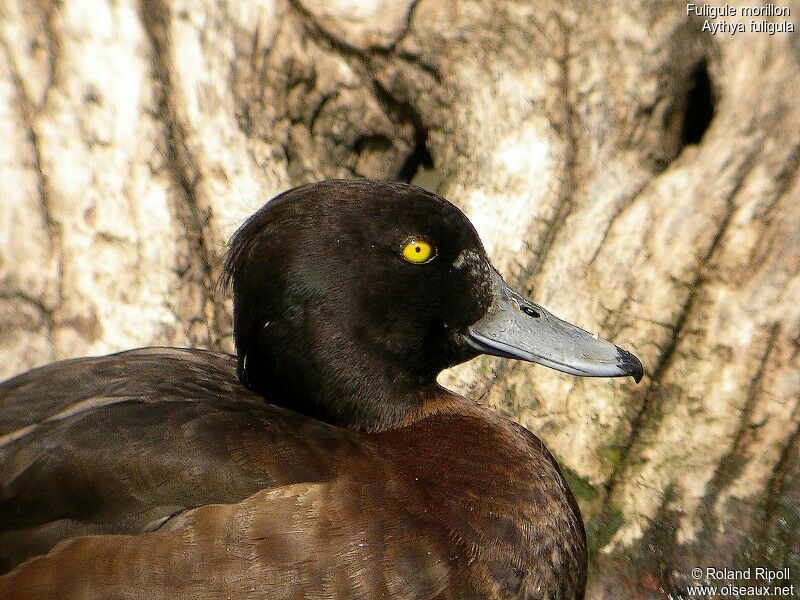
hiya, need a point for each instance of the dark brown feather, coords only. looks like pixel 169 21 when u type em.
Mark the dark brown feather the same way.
pixel 122 441
pixel 457 503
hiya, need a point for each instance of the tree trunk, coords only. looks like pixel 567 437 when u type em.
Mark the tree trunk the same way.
pixel 636 174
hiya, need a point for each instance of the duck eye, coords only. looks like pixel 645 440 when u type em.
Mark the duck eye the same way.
pixel 418 252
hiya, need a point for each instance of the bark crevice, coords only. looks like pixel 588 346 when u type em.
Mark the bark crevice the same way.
pixel 191 212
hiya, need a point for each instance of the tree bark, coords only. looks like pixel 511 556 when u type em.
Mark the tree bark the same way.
pixel 635 173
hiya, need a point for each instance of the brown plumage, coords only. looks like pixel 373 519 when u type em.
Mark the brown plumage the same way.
pixel 340 469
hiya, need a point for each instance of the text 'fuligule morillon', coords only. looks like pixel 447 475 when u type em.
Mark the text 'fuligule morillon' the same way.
pixel 712 12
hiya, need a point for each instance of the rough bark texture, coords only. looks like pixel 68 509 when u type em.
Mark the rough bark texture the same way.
pixel 635 174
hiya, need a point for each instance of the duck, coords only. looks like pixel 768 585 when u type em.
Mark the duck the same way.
pixel 322 460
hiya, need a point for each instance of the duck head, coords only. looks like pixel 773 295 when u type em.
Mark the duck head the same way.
pixel 350 297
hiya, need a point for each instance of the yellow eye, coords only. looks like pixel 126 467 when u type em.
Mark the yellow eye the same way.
pixel 418 252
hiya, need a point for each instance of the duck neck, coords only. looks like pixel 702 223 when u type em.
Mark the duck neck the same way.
pixel 361 397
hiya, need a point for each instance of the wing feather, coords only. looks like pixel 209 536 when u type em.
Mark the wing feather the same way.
pixel 115 444
pixel 291 542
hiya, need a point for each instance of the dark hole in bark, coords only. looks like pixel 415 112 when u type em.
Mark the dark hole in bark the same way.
pixel 419 157
pixel 372 143
pixel 699 106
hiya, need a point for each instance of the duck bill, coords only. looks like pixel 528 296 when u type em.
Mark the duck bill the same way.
pixel 515 327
